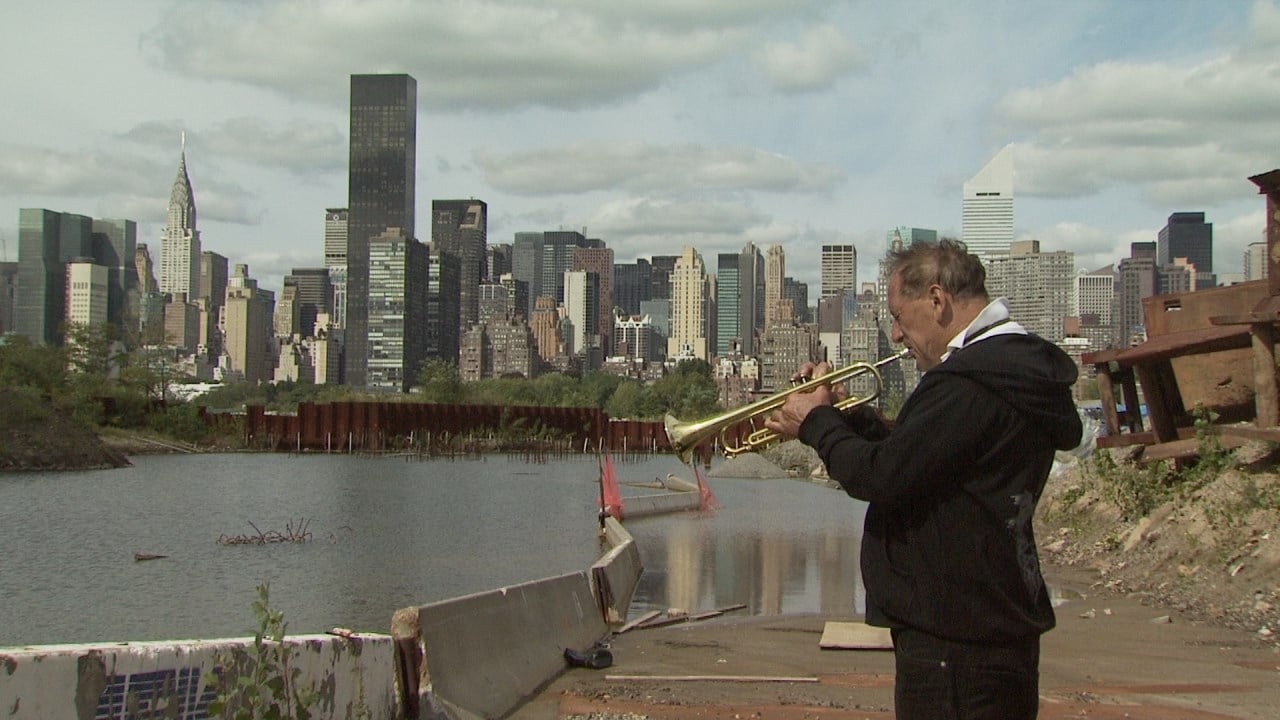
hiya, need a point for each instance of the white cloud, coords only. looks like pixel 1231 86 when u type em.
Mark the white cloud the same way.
pixel 821 56
pixel 644 167
pixel 1183 134
pixel 297 146
pixel 26 170
pixel 478 54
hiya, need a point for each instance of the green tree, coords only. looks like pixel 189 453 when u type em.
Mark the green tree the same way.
pixel 92 350
pixel 40 367
pixel 438 382
pixel 627 401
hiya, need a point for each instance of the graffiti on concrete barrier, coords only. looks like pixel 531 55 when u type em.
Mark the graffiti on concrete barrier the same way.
pixel 174 693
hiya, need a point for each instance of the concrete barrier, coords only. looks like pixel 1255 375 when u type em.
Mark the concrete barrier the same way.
pixel 616 574
pixel 635 506
pixel 482 655
pixel 477 656
pixel 353 676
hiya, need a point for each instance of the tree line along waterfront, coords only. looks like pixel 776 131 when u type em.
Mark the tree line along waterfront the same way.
pixel 96 385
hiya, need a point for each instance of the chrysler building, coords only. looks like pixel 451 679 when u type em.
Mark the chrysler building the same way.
pixel 180 241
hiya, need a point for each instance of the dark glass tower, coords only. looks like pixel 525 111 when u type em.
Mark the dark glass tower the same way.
pixel 47 240
pixel 380 191
pixel 1188 235
pixel 460 228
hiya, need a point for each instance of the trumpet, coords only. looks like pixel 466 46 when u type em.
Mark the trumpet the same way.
pixel 686 436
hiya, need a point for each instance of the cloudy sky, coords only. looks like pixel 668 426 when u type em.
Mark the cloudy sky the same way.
pixel 653 124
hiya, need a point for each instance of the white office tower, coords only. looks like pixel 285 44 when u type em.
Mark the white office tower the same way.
pixel 987 222
pixel 580 298
pixel 180 240
pixel 1095 297
pixel 839 269
pixel 689 301
pixel 1095 294
pixel 86 292
pixel 1255 261
pixel 335 258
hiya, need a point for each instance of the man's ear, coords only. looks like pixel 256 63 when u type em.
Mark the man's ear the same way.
pixel 938 299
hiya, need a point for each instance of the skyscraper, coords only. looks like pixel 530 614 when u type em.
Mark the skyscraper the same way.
pixel 1039 286
pixel 460 227
pixel 987 220
pixel 47 241
pixel 380 191
pixel 751 297
pixel 1187 235
pixel 689 303
pixel 335 259
pixel 739 300
pixel 599 261
pixel 314 293
pixel 213 293
pixel 246 327
pixel 114 245
pixel 728 321
pixel 632 285
pixel 839 269
pixel 526 266
pixel 180 240
pixel 444 337
pixel 1135 280
pixel 397 310
pixel 557 258
pixel 775 270
pixel 660 267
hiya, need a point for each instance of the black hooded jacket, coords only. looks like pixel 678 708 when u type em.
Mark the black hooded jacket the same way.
pixel 947 542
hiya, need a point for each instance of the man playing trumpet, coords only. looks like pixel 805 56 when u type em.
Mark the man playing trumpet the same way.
pixel 948 556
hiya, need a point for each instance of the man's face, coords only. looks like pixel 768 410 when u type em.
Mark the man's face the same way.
pixel 916 324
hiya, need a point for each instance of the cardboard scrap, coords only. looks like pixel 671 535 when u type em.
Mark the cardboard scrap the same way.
pixel 854 636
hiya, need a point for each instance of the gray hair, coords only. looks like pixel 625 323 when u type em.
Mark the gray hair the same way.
pixel 947 263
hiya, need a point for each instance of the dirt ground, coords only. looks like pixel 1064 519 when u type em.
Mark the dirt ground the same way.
pixel 1173 615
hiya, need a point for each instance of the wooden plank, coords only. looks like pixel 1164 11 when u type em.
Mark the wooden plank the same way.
pixel 1197 341
pixel 1163 399
pixel 640 620
pixel 1250 432
pixel 1183 449
pixel 644 624
pixel 1264 374
pixel 1107 397
pixel 1127 439
pixel 714 678
pixel 854 636
pixel 1132 407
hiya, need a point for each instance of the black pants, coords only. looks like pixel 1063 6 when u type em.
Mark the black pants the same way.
pixel 940 679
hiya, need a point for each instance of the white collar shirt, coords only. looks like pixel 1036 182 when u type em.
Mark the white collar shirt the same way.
pixel 992 321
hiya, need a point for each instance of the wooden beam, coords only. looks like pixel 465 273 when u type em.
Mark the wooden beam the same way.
pixel 714 678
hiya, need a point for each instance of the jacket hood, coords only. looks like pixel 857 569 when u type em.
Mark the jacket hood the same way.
pixel 1032 374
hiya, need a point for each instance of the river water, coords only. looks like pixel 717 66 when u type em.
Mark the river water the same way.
pixel 386 533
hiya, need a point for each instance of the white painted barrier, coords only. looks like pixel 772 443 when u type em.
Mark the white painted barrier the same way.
pixel 482 655
pixel 354 677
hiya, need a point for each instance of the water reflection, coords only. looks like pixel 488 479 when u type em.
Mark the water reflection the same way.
pixel 778 546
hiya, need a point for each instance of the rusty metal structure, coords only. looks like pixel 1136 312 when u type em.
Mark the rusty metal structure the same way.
pixel 374 427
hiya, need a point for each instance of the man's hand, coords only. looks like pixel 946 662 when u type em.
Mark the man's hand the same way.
pixel 786 419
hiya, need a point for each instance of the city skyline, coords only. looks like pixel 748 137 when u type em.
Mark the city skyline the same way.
pixel 796 123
